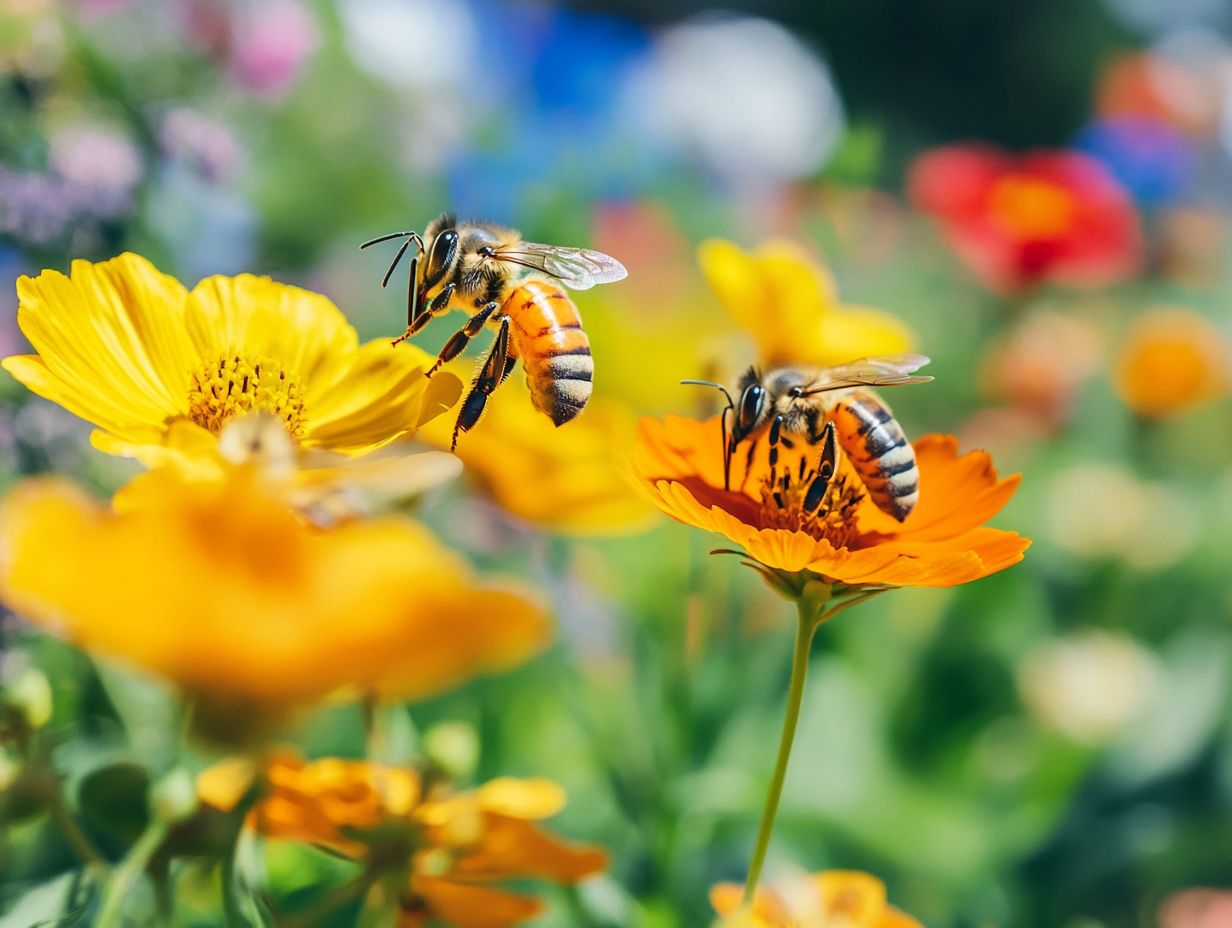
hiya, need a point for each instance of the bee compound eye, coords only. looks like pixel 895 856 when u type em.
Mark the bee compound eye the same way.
pixel 444 252
pixel 752 400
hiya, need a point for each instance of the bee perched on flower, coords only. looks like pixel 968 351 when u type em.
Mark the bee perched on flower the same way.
pixel 1019 221
pixel 846 543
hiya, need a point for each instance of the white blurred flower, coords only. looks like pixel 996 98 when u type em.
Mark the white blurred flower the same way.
pixel 741 94
pixel 1104 510
pixel 411 43
pixel 1089 685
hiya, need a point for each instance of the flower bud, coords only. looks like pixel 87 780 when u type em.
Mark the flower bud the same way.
pixel 174 797
pixel 454 748
pixel 27 695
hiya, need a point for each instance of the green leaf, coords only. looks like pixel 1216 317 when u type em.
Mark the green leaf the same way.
pixel 114 800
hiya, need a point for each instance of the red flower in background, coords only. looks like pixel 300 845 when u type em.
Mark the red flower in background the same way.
pixel 1016 221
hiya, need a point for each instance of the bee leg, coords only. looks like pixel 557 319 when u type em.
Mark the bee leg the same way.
pixel 776 435
pixel 748 460
pixel 417 321
pixel 460 339
pixel 490 375
pixel 827 464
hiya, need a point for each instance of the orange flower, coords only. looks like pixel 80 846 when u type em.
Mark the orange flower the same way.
pixel 235 597
pixel 831 899
pixel 1172 361
pixel 678 463
pixel 458 844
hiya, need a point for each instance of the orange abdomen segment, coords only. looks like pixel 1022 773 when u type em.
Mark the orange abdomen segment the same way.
pixel 547 334
pixel 879 451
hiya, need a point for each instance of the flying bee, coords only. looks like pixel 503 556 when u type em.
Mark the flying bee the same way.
pixel 513 286
pixel 825 406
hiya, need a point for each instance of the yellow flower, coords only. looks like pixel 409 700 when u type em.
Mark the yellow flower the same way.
pixel 790 305
pixel 162 370
pixel 457 844
pixel 1172 361
pixel 253 611
pixel 831 899
pixel 565 479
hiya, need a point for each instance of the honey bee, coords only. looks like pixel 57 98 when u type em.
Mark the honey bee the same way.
pixel 828 407
pixel 501 281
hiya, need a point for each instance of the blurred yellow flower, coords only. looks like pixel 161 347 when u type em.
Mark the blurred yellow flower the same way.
pixel 565 479
pixel 162 370
pixel 1172 361
pixel 831 899
pixel 239 600
pixel 789 303
pixel 458 844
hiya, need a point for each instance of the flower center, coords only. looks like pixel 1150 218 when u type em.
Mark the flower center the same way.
pixel 1030 207
pixel 798 500
pixel 232 386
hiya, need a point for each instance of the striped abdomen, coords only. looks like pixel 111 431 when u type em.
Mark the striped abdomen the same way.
pixel 876 446
pixel 547 334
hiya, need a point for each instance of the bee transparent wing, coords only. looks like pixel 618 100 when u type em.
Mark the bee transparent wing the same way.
pixel 891 370
pixel 576 268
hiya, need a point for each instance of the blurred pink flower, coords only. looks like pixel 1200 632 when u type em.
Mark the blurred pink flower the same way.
pixel 269 44
pixel 99 166
pixel 205 144
pixel 1197 908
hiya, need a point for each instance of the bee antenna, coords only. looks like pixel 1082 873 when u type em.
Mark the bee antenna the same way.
pixel 710 383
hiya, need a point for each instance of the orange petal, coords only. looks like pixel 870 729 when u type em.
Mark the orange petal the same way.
pixel 512 847
pixel 465 906
pixel 956 493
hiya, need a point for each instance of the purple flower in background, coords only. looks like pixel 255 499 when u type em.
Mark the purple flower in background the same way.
pixel 1150 158
pixel 206 145
pixel 99 169
pixel 34 206
pixel 269 44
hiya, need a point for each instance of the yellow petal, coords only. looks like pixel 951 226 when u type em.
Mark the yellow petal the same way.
pixel 528 799
pixel 111 342
pixel 385 394
pixel 258 318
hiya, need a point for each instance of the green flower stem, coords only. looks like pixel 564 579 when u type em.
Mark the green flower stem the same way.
pixel 77 840
pixel 129 872
pixel 232 904
pixel 806 625
pixel 810 617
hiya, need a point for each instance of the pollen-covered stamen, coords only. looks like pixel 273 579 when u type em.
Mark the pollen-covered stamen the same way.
pixel 232 386
pixel 802 499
